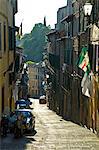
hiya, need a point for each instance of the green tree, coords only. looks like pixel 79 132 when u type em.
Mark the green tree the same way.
pixel 34 43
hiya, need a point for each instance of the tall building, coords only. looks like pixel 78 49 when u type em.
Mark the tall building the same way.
pixel 33 80
pixel 74 31
pixel 36 82
pixel 8 9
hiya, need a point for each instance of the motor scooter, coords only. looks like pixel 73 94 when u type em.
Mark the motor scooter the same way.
pixel 18 130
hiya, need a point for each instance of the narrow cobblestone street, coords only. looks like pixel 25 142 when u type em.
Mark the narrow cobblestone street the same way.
pixel 52 133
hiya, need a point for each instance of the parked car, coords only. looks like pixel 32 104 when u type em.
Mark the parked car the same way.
pixel 28 101
pixel 23 103
pixel 23 106
pixel 42 99
pixel 28 119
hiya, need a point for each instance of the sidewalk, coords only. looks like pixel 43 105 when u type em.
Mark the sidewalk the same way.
pixel 61 134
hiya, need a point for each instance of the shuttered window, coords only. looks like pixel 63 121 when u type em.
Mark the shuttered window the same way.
pixel 11 38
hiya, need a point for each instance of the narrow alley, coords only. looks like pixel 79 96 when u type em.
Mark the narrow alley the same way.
pixel 52 133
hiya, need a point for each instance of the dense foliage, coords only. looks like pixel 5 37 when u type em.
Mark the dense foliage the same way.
pixel 35 42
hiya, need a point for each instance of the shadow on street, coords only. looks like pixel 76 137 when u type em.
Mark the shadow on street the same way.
pixel 11 143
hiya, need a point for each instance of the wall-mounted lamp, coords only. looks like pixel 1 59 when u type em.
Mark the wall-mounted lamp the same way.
pixel 47 76
pixel 87 9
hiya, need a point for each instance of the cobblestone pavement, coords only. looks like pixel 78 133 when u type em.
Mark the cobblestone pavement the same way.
pixel 52 133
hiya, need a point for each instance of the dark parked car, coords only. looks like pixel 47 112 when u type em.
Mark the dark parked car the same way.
pixel 28 119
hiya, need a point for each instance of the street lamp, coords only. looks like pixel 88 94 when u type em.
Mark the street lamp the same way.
pixel 87 9
pixel 47 76
pixel 87 12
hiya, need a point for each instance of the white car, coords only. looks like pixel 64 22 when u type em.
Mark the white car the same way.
pixel 42 99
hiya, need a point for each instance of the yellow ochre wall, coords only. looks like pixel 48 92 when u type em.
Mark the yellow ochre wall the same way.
pixel 6 56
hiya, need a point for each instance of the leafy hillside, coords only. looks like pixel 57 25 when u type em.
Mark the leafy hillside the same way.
pixel 35 42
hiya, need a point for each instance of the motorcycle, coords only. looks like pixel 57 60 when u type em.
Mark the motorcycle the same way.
pixel 18 128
